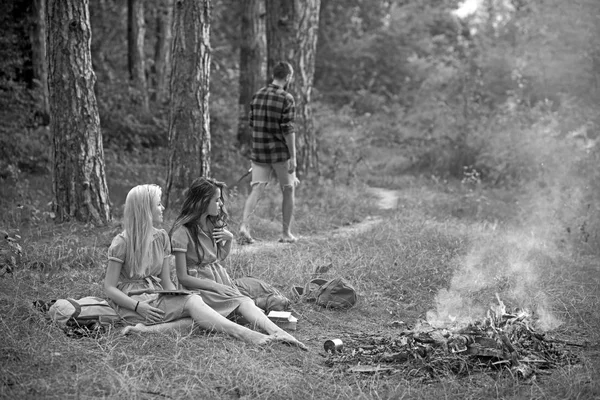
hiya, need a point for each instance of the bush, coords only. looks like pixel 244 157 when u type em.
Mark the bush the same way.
pixel 24 138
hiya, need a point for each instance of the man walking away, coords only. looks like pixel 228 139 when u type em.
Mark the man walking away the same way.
pixel 272 113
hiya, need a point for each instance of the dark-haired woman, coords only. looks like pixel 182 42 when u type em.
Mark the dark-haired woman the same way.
pixel 200 240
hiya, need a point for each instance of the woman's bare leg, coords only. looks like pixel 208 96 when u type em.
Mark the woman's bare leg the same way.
pixel 185 323
pixel 258 319
pixel 209 319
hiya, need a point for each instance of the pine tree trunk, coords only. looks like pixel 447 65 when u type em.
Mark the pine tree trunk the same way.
pixel 162 51
pixel 136 29
pixel 189 127
pixel 38 58
pixel 253 72
pixel 292 27
pixel 79 181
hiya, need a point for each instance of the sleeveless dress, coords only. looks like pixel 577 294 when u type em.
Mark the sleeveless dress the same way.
pixel 207 268
pixel 173 306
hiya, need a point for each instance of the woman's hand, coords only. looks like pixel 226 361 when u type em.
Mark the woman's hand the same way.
pixel 152 315
pixel 225 290
pixel 222 235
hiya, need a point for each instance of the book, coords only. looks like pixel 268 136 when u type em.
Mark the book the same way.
pixel 175 292
pixel 279 315
pixel 283 319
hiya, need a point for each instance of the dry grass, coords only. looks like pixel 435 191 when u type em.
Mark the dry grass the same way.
pixel 401 266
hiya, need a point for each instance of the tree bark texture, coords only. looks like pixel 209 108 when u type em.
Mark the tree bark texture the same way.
pixel 38 49
pixel 79 180
pixel 292 27
pixel 189 123
pixel 136 29
pixel 253 73
pixel 162 51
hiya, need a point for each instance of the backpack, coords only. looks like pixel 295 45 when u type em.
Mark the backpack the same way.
pixel 90 313
pixel 265 296
pixel 335 293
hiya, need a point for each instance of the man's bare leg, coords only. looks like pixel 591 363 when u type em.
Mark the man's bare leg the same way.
pixel 287 208
pixel 249 207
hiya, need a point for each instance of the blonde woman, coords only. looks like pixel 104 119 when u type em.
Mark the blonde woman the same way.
pixel 137 261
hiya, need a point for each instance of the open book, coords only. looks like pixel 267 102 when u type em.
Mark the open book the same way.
pixel 175 292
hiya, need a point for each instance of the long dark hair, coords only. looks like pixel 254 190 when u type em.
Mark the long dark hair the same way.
pixel 197 200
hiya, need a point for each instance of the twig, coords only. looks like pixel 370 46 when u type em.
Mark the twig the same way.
pixel 565 342
pixel 156 393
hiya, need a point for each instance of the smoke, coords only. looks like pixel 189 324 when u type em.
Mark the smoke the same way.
pixel 505 263
pixel 552 219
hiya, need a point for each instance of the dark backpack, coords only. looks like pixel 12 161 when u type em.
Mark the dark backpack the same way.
pixel 335 293
pixel 265 296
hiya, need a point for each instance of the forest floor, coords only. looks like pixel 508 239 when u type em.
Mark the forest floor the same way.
pixel 387 200
pixel 413 249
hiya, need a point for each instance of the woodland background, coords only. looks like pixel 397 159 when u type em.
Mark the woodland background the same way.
pixel 485 124
pixel 447 93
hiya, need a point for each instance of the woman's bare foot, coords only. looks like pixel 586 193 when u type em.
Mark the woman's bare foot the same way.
pixel 265 340
pixel 131 329
pixel 286 338
pixel 256 338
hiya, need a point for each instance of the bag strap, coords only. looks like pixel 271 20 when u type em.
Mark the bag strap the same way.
pixel 319 281
pixel 77 307
pixel 311 295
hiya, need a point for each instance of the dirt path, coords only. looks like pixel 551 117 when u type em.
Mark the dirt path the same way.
pixel 388 199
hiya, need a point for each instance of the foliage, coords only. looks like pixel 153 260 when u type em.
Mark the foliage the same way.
pixel 11 253
pixel 15 52
pixel 124 127
pixel 24 138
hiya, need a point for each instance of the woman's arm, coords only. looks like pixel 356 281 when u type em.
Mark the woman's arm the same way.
pixel 113 271
pixel 191 282
pixel 165 276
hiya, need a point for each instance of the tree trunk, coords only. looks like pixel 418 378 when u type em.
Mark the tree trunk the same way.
pixel 38 58
pixel 292 36
pixel 162 51
pixel 253 49
pixel 136 29
pixel 189 133
pixel 79 181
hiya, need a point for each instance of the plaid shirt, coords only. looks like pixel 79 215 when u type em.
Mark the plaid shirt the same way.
pixel 272 113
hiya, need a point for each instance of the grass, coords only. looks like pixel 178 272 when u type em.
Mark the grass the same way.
pixel 399 268
pixel 446 248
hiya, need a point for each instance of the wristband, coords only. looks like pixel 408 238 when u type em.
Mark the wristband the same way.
pixel 136 306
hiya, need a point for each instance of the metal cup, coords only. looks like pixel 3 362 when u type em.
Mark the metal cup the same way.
pixel 333 346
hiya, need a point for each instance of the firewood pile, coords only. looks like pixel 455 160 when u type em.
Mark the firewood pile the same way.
pixel 503 340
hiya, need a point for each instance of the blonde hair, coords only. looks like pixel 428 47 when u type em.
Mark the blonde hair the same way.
pixel 137 224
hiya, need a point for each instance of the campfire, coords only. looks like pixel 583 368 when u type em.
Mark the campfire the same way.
pixel 504 339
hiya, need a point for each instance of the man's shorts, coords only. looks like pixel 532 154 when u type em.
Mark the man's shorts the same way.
pixel 261 173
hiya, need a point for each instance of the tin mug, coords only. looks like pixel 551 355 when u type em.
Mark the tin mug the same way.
pixel 333 346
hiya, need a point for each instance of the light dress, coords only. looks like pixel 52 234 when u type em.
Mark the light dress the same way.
pixel 207 268
pixel 173 306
